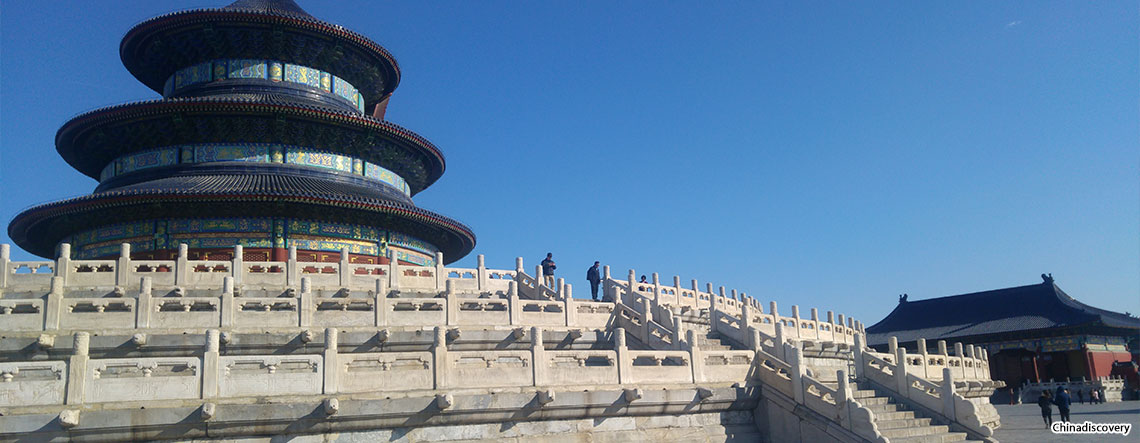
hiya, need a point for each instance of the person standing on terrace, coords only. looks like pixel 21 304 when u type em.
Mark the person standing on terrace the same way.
pixel 594 276
pixel 548 268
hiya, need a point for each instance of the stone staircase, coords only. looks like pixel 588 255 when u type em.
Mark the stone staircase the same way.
pixel 899 423
pixel 706 338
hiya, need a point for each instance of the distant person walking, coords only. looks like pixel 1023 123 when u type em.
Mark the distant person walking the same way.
pixel 1063 402
pixel 594 276
pixel 1045 401
pixel 548 268
pixel 1094 396
pixel 1081 396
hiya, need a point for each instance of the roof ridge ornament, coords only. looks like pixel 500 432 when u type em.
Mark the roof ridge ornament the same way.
pixel 1047 278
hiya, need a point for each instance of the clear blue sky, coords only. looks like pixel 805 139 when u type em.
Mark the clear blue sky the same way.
pixel 829 154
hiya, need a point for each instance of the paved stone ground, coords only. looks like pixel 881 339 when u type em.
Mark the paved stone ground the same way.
pixel 1023 424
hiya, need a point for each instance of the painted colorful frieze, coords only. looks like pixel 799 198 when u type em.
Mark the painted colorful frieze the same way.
pixel 414 258
pixel 220 225
pixel 199 73
pixel 378 172
pixel 218 152
pixel 248 68
pixel 263 69
pixel 408 242
pixel 251 152
pixel 319 159
pixel 146 159
pixel 354 247
pixel 300 227
pixel 214 233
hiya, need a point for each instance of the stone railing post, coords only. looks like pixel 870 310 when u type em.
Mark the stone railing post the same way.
pixel 712 306
pixel 6 262
pixel 986 358
pixel 77 369
pixel 292 269
pixel 228 306
pixel 569 306
pixel 902 385
pixel 796 319
pixel 624 362
pixel 695 356
pixel 381 303
pixel 972 372
pixel 345 271
pixel 440 272
pixel 451 303
pixel 831 324
pixel 797 372
pixel 481 273
pixel 538 357
pixel 960 356
pixel 332 362
pixel 560 289
pixel 696 294
pixel 780 341
pixel 62 263
pixel 892 345
pixel 211 364
pixel 632 287
pixel 656 288
pixel 514 304
pixel 182 265
pixel 942 349
pixel 393 271
pixel 123 264
pixel 947 394
pixel 745 319
pixel 857 355
pixel 815 322
pixel 539 281
pixel 843 396
pixel 440 363
pixel 756 342
pixel 53 306
pixel 677 290
pixel 925 364
pixel 145 304
pixel 646 320
pixel 518 265
pixel 678 333
pixel 237 265
pixel 307 305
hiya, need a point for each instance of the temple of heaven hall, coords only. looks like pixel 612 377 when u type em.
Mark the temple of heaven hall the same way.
pixel 270 134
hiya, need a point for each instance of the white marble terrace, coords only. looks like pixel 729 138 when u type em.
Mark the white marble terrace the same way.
pixel 94 329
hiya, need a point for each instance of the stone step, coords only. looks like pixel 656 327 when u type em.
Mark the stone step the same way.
pixel 886 407
pixel 868 401
pixel 945 437
pixel 901 422
pixel 896 415
pixel 914 432
pixel 862 393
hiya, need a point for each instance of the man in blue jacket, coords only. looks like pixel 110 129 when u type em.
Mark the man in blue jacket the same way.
pixel 594 275
pixel 1063 401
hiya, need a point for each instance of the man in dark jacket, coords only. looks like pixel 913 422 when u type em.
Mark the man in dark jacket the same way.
pixel 594 276
pixel 1063 401
pixel 548 268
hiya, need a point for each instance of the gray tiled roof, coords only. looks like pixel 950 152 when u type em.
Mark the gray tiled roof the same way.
pixel 1021 308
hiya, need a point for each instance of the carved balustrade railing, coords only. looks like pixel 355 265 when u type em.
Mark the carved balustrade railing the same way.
pixel 959 395
pixel 209 373
pixel 188 275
